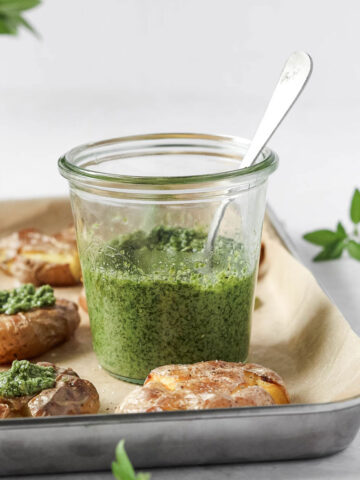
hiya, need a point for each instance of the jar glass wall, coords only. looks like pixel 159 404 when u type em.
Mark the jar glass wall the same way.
pixel 143 207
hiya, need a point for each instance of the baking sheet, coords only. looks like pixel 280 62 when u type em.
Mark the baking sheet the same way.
pixel 297 331
pixel 248 434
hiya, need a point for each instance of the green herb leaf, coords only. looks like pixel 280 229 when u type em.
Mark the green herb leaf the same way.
pixel 323 237
pixel 122 469
pixel 354 249
pixel 123 465
pixel 334 243
pixel 117 472
pixel 10 15
pixel 355 207
pixel 8 24
pixel 18 5
pixel 28 26
pixel 331 252
pixel 341 230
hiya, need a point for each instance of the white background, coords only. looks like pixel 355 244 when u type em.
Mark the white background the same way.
pixel 115 67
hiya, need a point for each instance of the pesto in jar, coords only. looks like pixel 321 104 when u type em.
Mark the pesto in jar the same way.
pixel 25 378
pixel 154 300
pixel 26 297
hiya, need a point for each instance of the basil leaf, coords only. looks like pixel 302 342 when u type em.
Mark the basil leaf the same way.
pixel 355 207
pixel 27 25
pixel 122 469
pixel 116 471
pixel 354 249
pixel 323 237
pixel 10 15
pixel 334 243
pixel 341 230
pixel 9 6
pixel 331 252
pixel 7 25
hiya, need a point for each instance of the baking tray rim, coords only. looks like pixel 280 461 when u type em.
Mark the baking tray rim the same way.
pixel 226 413
pixel 219 413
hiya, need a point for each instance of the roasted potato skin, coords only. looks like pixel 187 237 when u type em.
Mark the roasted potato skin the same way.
pixel 28 334
pixel 33 257
pixel 13 407
pixel 206 385
pixel 71 395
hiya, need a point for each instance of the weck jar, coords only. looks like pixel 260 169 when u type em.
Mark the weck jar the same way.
pixel 159 289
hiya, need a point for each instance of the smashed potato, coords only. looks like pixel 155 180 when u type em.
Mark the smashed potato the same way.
pixel 28 334
pixel 34 257
pixel 206 385
pixel 71 395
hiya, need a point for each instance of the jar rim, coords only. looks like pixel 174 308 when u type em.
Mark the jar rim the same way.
pixel 70 170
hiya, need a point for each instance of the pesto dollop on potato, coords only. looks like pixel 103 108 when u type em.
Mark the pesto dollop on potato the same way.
pixel 25 378
pixel 26 297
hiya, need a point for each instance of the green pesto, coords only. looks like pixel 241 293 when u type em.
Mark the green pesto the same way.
pixel 25 298
pixel 25 378
pixel 154 300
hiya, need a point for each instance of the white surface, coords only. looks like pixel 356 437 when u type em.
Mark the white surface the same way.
pixel 340 467
pixel 113 68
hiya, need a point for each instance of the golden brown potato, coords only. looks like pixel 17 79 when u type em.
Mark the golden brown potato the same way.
pixel 28 334
pixel 33 257
pixel 82 300
pixel 205 385
pixel 71 395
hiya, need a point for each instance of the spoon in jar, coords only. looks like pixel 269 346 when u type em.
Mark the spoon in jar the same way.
pixel 292 81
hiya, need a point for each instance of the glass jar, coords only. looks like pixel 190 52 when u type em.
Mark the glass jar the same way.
pixel 158 291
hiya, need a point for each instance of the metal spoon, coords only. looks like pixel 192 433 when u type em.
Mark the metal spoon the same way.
pixel 292 81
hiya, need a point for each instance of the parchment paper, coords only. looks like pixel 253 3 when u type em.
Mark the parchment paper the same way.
pixel 296 331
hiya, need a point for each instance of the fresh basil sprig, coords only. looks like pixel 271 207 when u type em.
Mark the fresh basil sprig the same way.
pixel 122 468
pixel 334 243
pixel 11 18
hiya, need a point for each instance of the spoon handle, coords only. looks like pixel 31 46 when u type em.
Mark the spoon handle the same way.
pixel 292 80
